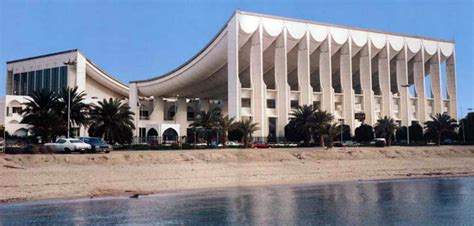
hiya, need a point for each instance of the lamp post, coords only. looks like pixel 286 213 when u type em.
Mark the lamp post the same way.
pixel 408 115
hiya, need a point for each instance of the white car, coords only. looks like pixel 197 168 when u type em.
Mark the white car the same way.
pixel 68 145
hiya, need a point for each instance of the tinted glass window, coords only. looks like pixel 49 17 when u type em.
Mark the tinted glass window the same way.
pixel 24 79
pixel 16 84
pixel 31 82
pixel 75 141
pixel 47 79
pixel 39 80
pixel 55 79
pixel 61 141
pixel 63 78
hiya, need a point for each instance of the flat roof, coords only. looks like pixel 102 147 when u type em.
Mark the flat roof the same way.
pixel 41 56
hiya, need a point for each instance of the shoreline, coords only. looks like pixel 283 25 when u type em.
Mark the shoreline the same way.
pixel 122 174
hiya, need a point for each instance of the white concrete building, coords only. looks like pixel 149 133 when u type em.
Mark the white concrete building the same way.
pixel 261 66
pixel 55 71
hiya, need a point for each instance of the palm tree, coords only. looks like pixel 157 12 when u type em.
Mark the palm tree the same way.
pixel 112 120
pixel 302 118
pixel 332 130
pixel 247 128
pixel 322 120
pixel 79 111
pixel 386 126
pixel 224 125
pixel 43 113
pixel 206 120
pixel 440 124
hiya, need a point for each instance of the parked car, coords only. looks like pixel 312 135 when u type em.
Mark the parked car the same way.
pixel 380 142
pixel 97 144
pixel 260 145
pixel 68 145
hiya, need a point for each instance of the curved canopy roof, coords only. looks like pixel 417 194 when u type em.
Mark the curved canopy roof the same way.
pixel 205 74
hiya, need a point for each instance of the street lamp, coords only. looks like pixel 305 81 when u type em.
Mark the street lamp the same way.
pixel 408 115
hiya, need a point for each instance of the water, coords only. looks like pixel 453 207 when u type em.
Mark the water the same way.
pixel 448 201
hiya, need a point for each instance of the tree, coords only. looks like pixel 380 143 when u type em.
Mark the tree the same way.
pixel 207 121
pixel 332 130
pixel 43 112
pixel 364 133
pixel 112 120
pixel 466 130
pixel 401 134
pixel 79 111
pixel 386 127
pixel 439 124
pixel 303 121
pixel 292 134
pixel 247 128
pixel 416 132
pixel 322 120
pixel 224 125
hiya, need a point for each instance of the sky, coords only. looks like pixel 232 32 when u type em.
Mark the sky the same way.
pixel 139 39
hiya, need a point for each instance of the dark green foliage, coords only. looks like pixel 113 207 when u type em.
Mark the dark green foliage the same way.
pixel 386 127
pixel 364 133
pixel 113 121
pixel 416 133
pixel 440 124
pixel 466 128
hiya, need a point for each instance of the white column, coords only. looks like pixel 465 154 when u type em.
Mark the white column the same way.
pixel 402 79
pixel 451 85
pixel 204 105
pixel 327 100
pixel 281 84
pixel 133 104
pixel 158 113
pixel 233 83
pixel 366 83
pixel 435 69
pixel 346 82
pixel 181 116
pixel 258 101
pixel 419 79
pixel 304 84
pixel 384 79
pixel 80 73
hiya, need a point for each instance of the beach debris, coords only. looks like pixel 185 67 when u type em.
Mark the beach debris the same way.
pixel 135 196
pixel 13 167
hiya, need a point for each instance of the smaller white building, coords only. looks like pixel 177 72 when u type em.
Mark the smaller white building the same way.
pixel 54 72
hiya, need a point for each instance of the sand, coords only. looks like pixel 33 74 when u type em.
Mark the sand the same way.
pixel 33 177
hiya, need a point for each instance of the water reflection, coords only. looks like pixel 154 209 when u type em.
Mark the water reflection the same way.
pixel 419 202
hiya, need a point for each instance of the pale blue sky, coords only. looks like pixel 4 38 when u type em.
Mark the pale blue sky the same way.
pixel 137 39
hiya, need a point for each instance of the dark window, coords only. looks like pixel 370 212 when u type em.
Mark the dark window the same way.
pixel 24 80
pixel 55 79
pixel 47 79
pixel 31 82
pixel 294 104
pixel 63 77
pixel 246 103
pixel 144 115
pixel 39 80
pixel 271 103
pixel 16 84
pixel 16 110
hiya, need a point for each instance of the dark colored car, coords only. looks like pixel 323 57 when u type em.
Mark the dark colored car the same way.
pixel 97 144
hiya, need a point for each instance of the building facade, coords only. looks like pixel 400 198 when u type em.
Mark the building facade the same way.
pixel 54 72
pixel 261 67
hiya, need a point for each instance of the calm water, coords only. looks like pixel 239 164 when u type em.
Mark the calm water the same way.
pixel 399 202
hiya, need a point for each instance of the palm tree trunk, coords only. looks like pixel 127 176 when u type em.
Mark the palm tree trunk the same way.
pixel 321 140
pixel 438 139
pixel 224 138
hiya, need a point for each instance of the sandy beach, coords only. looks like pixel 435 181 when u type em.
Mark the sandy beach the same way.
pixel 33 177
